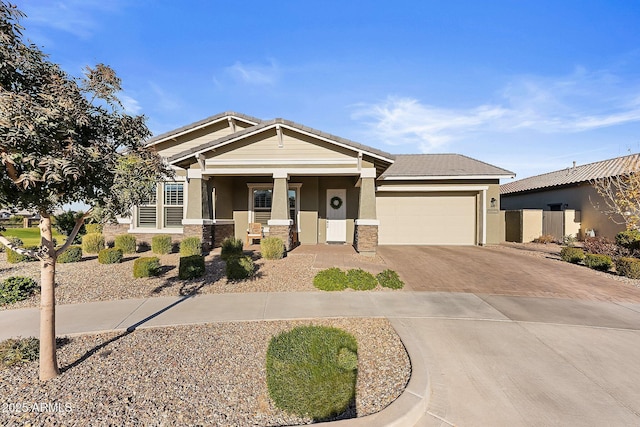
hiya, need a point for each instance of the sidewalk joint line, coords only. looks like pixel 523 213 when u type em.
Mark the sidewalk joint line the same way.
pixel 441 419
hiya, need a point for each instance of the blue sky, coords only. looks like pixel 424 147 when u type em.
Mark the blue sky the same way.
pixel 529 86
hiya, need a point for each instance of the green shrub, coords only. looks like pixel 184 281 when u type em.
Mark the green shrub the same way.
pixel 629 239
pixel 239 268
pixel 311 371
pixel 17 288
pixel 629 267
pixel 598 261
pixel 361 280
pixel 92 243
pixel 146 267
pixel 331 279
pixel 14 351
pixel 161 244
pixel 272 248
pixel 14 257
pixel 110 256
pixel 190 267
pixel 231 248
pixel 571 254
pixel 72 254
pixel 126 242
pixel 93 228
pixel 389 279
pixel 190 246
pixel 66 222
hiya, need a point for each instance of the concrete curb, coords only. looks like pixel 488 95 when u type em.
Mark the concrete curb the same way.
pixel 412 404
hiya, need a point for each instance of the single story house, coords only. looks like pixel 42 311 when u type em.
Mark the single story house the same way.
pixel 310 187
pixel 569 189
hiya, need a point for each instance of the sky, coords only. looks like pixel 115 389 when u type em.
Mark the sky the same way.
pixel 529 86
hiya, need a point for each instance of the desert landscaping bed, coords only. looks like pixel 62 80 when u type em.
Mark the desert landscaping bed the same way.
pixel 88 280
pixel 210 374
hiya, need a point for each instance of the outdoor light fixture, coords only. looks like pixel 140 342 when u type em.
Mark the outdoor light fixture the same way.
pixel 493 202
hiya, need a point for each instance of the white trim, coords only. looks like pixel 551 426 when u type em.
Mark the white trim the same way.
pixel 194 173
pixel 434 188
pixel 204 125
pixel 290 171
pixel 269 186
pixel 223 221
pixel 367 222
pixel 272 222
pixel 197 221
pixel 440 177
pixel 368 173
pixel 483 239
pixel 235 162
pixel 177 230
pixel 280 174
pixel 270 127
pixel 124 220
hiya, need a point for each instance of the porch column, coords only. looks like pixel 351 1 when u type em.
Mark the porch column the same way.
pixel 280 225
pixel 197 220
pixel 366 236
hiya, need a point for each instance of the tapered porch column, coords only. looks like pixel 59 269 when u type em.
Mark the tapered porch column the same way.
pixel 366 233
pixel 280 225
pixel 197 220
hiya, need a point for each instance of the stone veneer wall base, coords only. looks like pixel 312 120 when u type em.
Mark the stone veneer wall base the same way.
pixel 285 232
pixel 366 239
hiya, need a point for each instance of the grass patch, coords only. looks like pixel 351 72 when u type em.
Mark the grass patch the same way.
pixel 31 236
pixel 311 371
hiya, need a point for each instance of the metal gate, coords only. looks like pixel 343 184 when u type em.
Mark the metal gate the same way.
pixel 553 224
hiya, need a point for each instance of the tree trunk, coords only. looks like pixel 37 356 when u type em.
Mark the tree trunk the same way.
pixel 48 361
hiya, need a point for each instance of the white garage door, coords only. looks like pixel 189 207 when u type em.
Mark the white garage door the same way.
pixel 421 219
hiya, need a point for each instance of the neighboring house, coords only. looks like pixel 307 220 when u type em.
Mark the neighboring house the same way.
pixel 569 189
pixel 309 187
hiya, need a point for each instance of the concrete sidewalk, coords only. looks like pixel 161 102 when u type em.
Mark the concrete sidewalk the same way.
pixel 476 359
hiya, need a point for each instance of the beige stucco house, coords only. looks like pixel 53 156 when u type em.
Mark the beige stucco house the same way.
pixel 309 187
pixel 569 189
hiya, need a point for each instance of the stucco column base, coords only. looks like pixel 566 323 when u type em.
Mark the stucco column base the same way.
pixel 203 232
pixel 285 232
pixel 366 239
pixel 221 232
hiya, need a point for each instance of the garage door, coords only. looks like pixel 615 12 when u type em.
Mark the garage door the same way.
pixel 421 219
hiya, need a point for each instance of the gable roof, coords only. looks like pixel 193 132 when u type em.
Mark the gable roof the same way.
pixel 200 124
pixel 262 126
pixel 441 166
pixel 572 175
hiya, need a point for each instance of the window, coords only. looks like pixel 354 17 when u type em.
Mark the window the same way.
pixel 147 213
pixel 173 204
pixel 262 205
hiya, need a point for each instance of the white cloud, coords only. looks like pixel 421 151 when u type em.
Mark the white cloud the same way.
pixel 164 100
pixel 130 105
pixel 579 102
pixel 254 74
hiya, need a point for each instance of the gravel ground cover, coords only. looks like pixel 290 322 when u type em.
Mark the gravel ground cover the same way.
pixel 210 374
pixel 88 280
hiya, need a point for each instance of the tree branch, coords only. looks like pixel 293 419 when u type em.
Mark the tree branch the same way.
pixel 18 249
pixel 74 232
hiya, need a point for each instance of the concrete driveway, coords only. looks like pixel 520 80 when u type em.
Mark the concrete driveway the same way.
pixel 501 271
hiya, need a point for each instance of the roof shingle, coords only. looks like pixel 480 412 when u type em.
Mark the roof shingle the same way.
pixel 444 165
pixel 573 175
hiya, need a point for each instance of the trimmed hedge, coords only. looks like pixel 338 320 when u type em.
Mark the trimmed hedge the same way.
pixel 191 267
pixel 72 254
pixel 629 239
pixel 146 267
pixel 389 279
pixel 361 280
pixel 628 267
pixel 126 242
pixel 190 246
pixel 331 279
pixel 110 256
pixel 92 243
pixel 312 370
pixel 272 248
pixel 239 268
pixel 231 248
pixel 598 261
pixel 161 244
pixel 14 257
pixel 571 254
pixel 17 288
pixel 93 228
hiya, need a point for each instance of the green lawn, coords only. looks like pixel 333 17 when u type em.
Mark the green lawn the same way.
pixel 31 236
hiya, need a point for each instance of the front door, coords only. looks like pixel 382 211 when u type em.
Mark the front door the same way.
pixel 337 215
